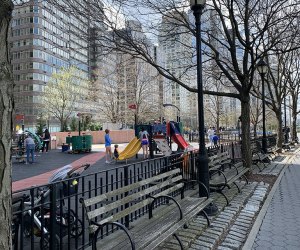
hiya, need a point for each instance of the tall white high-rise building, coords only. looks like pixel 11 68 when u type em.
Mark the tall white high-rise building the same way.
pixel 175 43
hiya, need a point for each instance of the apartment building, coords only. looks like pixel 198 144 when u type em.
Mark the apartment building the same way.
pixel 43 39
pixel 175 43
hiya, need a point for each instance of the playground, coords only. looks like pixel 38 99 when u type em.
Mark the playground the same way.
pixel 164 139
pixel 161 138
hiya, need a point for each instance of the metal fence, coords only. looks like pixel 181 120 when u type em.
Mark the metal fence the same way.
pixel 51 216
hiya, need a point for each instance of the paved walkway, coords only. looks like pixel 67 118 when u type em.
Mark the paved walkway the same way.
pixel 281 224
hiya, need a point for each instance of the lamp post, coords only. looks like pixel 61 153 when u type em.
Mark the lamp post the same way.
pixel 202 163
pixel 262 68
pixel 172 105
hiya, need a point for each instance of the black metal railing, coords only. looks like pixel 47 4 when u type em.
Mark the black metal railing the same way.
pixel 51 216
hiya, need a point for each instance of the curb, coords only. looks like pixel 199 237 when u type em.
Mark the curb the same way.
pixel 257 224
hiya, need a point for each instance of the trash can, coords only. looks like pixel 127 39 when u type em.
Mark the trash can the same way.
pixel 76 143
pixel 65 147
pixel 87 143
pixel 68 139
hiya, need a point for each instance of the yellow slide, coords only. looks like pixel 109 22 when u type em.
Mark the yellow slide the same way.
pixel 131 149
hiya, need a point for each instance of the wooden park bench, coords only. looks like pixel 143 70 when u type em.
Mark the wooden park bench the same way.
pixel 259 157
pixel 224 172
pixel 272 145
pixel 163 196
pixel 271 151
pixel 286 146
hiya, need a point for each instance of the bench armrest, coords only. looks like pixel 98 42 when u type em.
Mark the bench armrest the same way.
pixel 223 185
pixel 200 184
pixel 168 198
pixel 117 224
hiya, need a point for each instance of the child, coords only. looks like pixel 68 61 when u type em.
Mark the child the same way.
pixel 145 143
pixel 215 139
pixel 107 140
pixel 116 151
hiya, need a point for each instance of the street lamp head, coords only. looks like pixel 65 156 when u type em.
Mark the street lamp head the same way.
pixel 262 67
pixel 197 4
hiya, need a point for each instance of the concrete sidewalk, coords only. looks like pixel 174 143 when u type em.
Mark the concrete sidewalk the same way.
pixel 279 225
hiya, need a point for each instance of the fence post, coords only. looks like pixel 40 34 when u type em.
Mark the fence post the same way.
pixel 52 216
pixel 126 183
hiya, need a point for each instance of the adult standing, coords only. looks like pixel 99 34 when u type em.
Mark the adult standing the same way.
pixel 210 134
pixel 46 140
pixel 144 138
pixel 107 146
pixel 29 146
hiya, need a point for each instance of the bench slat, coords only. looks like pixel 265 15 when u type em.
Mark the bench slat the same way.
pixel 132 197
pixel 241 173
pixel 158 240
pixel 135 207
pixel 146 231
pixel 102 197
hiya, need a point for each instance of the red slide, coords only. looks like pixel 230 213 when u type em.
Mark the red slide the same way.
pixel 177 137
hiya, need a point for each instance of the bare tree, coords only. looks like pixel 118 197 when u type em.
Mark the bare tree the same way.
pixel 214 111
pixel 105 97
pixel 6 109
pixel 292 74
pixel 255 114
pixel 277 59
pixel 130 82
pixel 142 90
pixel 235 47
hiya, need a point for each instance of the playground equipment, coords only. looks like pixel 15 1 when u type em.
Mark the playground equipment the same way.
pixel 160 136
pixel 37 140
pixel 162 144
pixel 177 137
pixel 18 147
pixel 131 149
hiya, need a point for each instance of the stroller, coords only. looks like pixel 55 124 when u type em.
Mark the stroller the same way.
pixel 36 215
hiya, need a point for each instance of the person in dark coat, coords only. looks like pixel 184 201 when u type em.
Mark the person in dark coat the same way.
pixel 46 140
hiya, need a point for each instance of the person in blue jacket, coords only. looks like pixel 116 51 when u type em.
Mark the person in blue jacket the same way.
pixel 215 139
pixel 108 153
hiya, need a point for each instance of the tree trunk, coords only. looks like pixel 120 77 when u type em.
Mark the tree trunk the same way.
pixel 254 130
pixel 245 124
pixel 62 123
pixel 294 115
pixel 6 109
pixel 279 130
pixel 294 127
